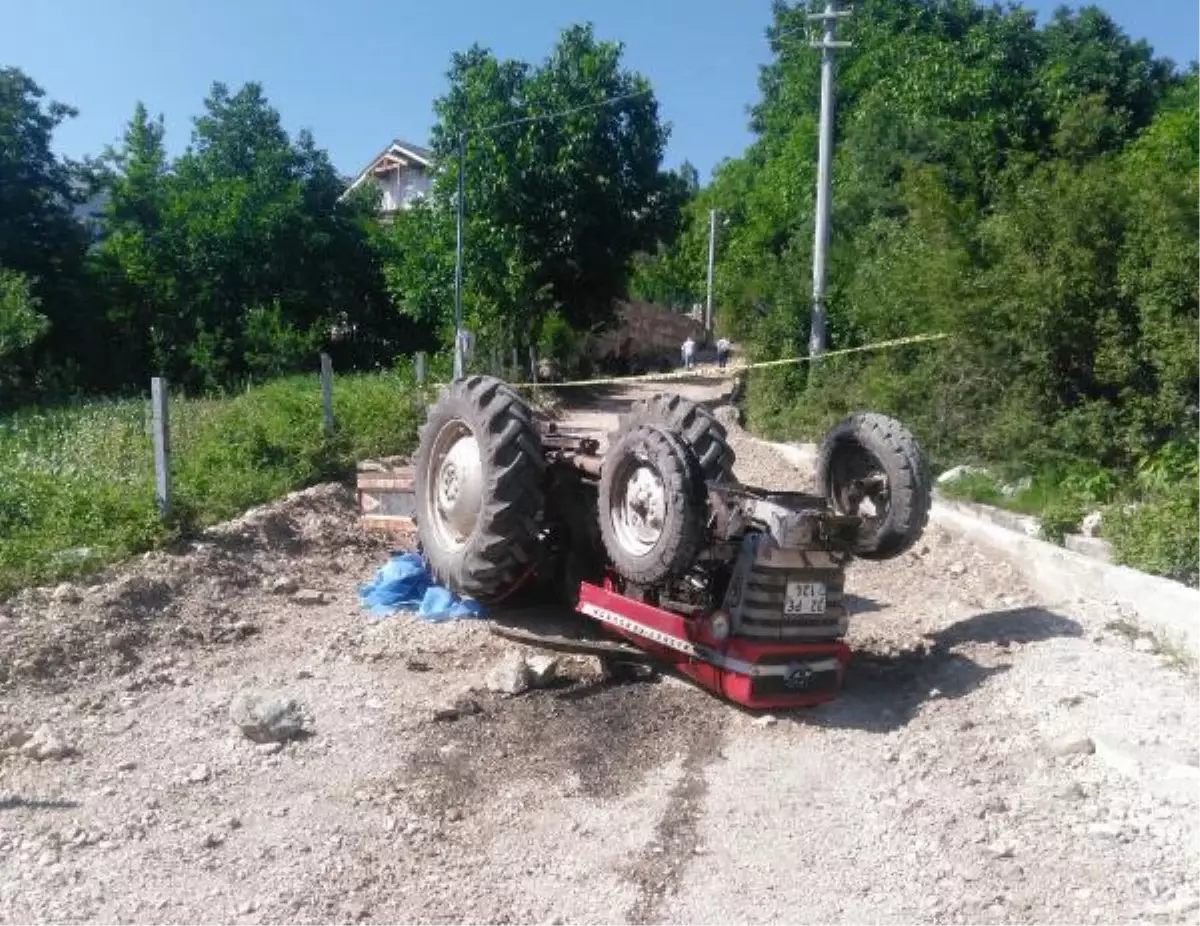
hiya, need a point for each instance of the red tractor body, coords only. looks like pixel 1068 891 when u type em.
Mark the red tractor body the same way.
pixel 758 675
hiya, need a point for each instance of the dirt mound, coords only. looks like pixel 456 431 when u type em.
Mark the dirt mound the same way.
pixel 644 328
pixel 207 591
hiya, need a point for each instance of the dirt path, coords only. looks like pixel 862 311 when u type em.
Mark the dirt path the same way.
pixel 994 758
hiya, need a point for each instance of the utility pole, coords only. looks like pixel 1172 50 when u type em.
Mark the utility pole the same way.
pixel 712 258
pixel 828 44
pixel 460 365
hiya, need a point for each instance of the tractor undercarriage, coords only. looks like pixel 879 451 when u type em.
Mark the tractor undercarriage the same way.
pixel 739 588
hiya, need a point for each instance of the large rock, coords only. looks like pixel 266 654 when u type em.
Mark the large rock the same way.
pixel 268 718
pixel 956 473
pixel 1071 745
pixel 511 675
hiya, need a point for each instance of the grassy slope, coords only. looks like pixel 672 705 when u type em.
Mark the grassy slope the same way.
pixel 77 484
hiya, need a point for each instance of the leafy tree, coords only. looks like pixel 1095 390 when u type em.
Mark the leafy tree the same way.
pixel 134 260
pixel 1030 191
pixel 556 208
pixel 21 324
pixel 241 258
pixel 39 238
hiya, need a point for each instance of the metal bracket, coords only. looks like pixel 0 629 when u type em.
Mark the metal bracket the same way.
pixel 735 592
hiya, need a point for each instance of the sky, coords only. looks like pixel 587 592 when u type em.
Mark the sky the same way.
pixel 359 73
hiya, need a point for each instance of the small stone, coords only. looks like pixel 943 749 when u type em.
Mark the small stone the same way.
pixel 462 706
pixel 995 805
pixel 246 908
pixel 234 823
pixel 212 839
pixel 374 704
pixel 268 749
pixel 47 744
pixel 935 692
pixel 416 665
pixel 356 911
pixel 304 673
pixel 766 720
pixel 957 569
pixel 284 585
pixel 14 739
pixel 454 815
pixel 199 774
pixel 1090 525
pixel 1104 830
pixel 127 766
pixel 511 675
pixel 66 593
pixel 265 718
pixel 1071 745
pixel 1001 849
pixel 47 858
pixel 1145 645
pixel 309 596
pixel 1071 792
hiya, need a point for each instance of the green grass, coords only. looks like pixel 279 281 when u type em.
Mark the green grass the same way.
pixel 77 483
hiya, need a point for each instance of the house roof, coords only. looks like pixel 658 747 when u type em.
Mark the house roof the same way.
pixel 398 153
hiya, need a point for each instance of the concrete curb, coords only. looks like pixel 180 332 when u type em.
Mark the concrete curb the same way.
pixel 1169 610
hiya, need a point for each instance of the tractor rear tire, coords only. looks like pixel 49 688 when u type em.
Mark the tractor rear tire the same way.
pixel 692 423
pixel 652 505
pixel 479 488
pixel 872 456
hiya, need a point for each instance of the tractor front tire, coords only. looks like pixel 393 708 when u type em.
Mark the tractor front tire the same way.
pixel 651 505
pixel 479 488
pixel 872 458
pixel 691 422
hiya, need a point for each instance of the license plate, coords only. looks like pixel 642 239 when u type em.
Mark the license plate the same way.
pixel 804 598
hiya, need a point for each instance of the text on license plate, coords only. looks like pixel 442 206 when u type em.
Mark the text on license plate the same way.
pixel 804 598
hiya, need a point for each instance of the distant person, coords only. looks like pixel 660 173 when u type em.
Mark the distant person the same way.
pixel 723 349
pixel 689 353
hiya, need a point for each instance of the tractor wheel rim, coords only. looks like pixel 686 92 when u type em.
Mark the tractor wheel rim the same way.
pixel 639 508
pixel 456 487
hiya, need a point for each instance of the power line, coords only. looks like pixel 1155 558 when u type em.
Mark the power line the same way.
pixel 560 114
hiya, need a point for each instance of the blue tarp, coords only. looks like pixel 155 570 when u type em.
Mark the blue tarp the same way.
pixel 404 584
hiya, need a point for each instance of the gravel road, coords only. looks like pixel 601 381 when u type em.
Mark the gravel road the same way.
pixel 995 757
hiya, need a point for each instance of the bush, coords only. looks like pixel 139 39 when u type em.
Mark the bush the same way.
pixel 1160 535
pixel 1060 517
pixel 77 484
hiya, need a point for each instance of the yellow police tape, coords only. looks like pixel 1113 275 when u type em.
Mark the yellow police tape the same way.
pixel 733 369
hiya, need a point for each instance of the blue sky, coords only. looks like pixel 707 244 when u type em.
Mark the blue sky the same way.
pixel 359 73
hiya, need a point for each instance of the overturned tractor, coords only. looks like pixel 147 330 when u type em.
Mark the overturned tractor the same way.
pixel 740 588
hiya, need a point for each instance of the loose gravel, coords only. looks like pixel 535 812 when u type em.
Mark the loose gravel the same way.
pixel 995 757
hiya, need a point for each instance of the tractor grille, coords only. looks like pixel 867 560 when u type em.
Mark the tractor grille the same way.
pixel 762 613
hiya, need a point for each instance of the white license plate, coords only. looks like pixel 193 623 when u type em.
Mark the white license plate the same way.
pixel 804 598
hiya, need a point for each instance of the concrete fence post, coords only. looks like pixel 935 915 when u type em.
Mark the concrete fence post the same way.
pixel 533 378
pixel 419 367
pixel 161 427
pixel 327 393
